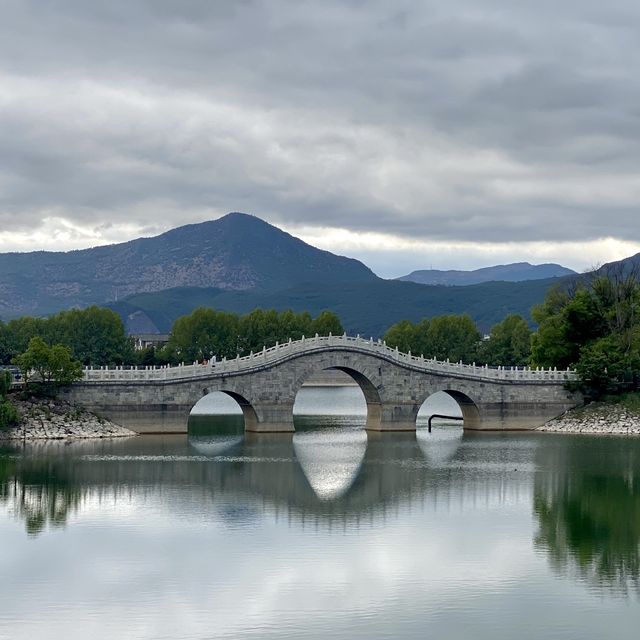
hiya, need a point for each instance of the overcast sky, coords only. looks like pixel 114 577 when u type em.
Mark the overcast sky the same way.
pixel 409 134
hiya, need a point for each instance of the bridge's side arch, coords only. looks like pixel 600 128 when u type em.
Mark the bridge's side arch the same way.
pixel 471 416
pixel 248 411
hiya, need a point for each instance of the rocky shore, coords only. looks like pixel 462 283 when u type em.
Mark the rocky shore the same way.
pixel 56 419
pixel 597 418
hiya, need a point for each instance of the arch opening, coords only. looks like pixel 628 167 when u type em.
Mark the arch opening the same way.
pixel 460 410
pixel 330 413
pixel 221 412
pixel 440 444
pixel 336 396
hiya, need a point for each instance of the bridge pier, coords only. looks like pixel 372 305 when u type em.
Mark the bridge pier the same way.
pixel 396 416
pixel 269 418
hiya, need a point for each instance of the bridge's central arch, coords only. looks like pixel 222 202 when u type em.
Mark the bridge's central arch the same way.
pixel 332 378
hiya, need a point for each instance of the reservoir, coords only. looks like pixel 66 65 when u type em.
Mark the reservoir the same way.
pixel 330 532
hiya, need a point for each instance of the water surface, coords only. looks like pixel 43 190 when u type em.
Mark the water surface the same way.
pixel 329 532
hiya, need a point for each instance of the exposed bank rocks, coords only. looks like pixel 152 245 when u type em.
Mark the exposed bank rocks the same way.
pixel 597 418
pixel 56 419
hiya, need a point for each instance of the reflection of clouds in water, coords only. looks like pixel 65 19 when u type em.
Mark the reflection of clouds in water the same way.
pixel 330 459
pixel 441 445
pixel 214 445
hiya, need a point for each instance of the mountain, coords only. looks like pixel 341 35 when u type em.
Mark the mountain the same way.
pixel 238 263
pixel 516 272
pixel 626 266
pixel 368 308
pixel 235 252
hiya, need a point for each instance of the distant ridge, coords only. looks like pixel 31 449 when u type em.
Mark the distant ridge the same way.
pixel 516 272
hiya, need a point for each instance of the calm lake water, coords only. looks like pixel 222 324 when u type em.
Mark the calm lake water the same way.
pixel 327 533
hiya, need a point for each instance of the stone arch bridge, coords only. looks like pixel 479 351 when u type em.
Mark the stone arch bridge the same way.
pixel 265 385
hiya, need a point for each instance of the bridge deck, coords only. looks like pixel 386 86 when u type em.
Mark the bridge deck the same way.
pixel 282 352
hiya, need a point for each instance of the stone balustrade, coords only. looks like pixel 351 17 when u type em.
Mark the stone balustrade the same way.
pixel 293 348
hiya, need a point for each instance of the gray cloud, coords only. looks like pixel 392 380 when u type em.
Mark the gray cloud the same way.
pixel 505 121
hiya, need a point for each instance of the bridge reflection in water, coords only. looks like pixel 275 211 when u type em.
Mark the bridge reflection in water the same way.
pixel 584 493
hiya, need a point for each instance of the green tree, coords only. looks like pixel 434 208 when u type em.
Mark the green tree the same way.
pixel 203 334
pixel 596 329
pixel 48 365
pixel 6 352
pixel 8 413
pixel 95 335
pixel 5 383
pixel 403 335
pixel 21 330
pixel 327 323
pixel 509 343
pixel 294 325
pixel 455 337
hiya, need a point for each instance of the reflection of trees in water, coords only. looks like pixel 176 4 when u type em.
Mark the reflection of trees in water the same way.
pixel 588 509
pixel 354 480
pixel 36 490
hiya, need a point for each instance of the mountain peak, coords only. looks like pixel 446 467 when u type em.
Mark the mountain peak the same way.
pixel 236 251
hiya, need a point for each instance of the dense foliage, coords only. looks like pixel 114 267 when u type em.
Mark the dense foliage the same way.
pixel 594 328
pixel 49 365
pixel 457 338
pixel 96 336
pixel 8 414
pixel 453 337
pixel 206 333
pixel 509 343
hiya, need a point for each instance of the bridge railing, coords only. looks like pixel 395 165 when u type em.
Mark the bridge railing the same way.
pixel 283 351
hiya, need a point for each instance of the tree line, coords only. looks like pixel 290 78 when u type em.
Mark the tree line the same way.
pixel 206 333
pixel 592 325
pixel 54 349
pixel 457 338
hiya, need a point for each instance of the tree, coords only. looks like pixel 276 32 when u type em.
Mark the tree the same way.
pixel 403 335
pixel 594 328
pixel 203 334
pixel 8 413
pixel 509 343
pixel 95 335
pixel 48 365
pixel 6 352
pixel 327 323
pixel 455 337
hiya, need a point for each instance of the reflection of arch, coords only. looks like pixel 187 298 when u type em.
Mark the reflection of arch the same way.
pixel 330 461
pixel 248 412
pixel 469 409
pixel 369 391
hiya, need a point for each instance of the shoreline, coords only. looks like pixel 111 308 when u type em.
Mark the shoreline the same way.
pixel 53 419
pixel 597 418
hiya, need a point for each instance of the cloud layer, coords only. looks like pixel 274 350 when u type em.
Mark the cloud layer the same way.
pixel 447 123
